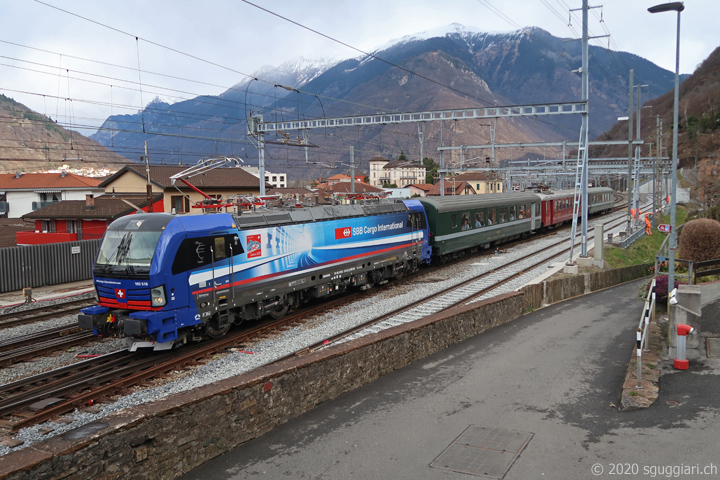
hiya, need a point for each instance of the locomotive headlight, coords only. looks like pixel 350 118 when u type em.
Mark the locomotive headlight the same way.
pixel 157 295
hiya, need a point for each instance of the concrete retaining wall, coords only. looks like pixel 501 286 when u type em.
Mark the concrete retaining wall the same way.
pixel 169 437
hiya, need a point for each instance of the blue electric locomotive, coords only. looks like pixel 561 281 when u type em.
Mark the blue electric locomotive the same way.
pixel 164 279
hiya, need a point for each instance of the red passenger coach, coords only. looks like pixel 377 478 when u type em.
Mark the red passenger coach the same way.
pixel 557 206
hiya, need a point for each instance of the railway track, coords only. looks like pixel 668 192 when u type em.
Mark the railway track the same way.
pixel 32 345
pixel 24 317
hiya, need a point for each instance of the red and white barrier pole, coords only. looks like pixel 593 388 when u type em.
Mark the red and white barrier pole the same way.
pixel 681 362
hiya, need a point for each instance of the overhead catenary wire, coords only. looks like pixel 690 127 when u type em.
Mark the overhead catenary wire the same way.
pixel 279 111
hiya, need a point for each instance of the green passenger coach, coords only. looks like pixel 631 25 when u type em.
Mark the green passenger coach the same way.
pixel 470 221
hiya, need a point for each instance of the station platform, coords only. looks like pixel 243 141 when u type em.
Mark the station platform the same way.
pixel 535 398
pixel 46 293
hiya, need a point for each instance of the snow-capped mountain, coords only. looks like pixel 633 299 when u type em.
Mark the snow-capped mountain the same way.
pixel 452 67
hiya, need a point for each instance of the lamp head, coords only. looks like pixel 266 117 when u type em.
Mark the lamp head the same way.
pixel 667 7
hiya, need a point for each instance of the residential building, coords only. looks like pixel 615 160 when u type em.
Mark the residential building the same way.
pixel 452 188
pixel 277 180
pixel 71 220
pixel 343 189
pixel 217 183
pixel 480 181
pixel 398 192
pixel 420 189
pixel 22 193
pixel 399 172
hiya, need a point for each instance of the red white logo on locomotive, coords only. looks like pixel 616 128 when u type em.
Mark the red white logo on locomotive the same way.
pixel 120 293
pixel 345 232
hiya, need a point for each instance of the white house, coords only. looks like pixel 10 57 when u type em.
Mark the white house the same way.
pixel 277 180
pixel 399 172
pixel 22 193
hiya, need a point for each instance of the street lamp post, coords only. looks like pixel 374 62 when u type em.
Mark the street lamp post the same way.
pixel 677 7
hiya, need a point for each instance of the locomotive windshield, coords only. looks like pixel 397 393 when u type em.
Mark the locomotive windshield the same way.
pixel 129 245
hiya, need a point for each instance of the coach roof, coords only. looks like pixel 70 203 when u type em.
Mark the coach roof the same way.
pixel 474 202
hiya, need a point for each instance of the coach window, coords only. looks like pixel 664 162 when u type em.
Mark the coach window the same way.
pixel 453 218
pixel 465 221
pixel 491 216
pixel 513 216
pixel 502 215
pixel 521 211
pixel 479 219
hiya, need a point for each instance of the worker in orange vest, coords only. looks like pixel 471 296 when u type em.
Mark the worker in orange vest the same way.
pixel 648 225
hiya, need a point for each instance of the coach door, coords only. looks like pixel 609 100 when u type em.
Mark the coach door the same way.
pixel 533 207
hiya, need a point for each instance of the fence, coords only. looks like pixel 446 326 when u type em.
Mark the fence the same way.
pixel 38 265
pixel 632 238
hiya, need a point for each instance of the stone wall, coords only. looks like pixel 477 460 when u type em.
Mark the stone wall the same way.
pixel 169 437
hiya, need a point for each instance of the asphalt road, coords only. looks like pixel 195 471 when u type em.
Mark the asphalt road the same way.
pixel 554 376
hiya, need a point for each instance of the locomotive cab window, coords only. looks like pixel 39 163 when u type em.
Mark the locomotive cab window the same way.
pixel 416 220
pixel 202 251
pixel 128 246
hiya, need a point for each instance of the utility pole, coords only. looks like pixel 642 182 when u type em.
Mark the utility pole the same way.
pixel 352 169
pixel 630 156
pixel 585 98
pixel 261 163
pixel 149 185
pixel 421 137
pixel 442 163
pixel 636 183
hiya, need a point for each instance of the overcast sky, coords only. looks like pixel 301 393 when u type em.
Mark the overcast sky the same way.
pixel 209 44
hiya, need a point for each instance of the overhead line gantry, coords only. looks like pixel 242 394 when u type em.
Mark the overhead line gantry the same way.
pixel 257 128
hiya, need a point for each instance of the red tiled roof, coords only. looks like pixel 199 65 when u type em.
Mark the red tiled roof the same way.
pixel 58 181
pixel 423 186
pixel 217 178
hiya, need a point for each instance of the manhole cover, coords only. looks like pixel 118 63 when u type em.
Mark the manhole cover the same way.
pixel 482 451
pixel 713 347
